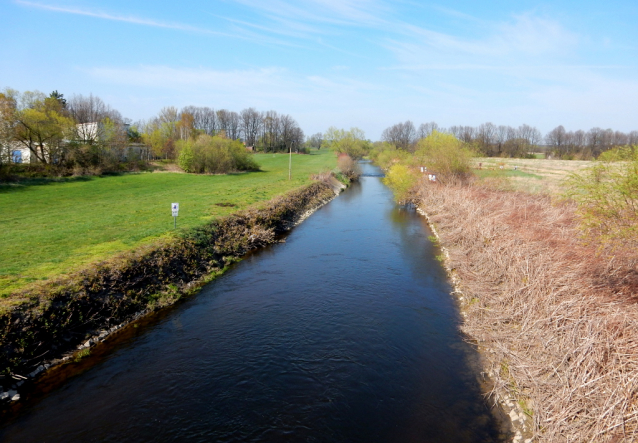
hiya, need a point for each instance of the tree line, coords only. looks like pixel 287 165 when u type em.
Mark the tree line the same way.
pixel 263 131
pixel 506 141
pixel 83 134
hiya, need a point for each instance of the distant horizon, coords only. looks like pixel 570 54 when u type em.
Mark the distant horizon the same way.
pixel 349 63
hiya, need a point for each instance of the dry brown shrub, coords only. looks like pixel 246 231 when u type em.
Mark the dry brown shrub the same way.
pixel 556 322
pixel 348 167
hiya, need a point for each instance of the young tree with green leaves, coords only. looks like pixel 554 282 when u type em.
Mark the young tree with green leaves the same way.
pixel 42 127
pixel 352 142
pixel 446 156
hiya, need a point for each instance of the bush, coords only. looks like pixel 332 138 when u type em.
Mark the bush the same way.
pixel 621 153
pixel 348 167
pixel 385 155
pixel 607 198
pixel 445 156
pixel 214 155
pixel 402 180
pixel 352 142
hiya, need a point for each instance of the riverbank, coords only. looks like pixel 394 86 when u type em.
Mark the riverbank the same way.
pixel 554 321
pixel 51 323
pixel 53 227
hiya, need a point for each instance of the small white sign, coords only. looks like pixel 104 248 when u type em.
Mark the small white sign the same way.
pixel 175 209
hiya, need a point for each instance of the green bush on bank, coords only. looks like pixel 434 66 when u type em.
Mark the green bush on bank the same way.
pixel 607 198
pixel 214 155
pixel 402 180
pixel 444 156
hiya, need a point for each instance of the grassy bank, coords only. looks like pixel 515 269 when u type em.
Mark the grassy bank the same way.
pixel 47 320
pixel 54 227
pixel 554 320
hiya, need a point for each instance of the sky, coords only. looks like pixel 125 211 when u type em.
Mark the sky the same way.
pixel 343 63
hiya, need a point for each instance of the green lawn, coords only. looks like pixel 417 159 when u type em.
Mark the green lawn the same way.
pixel 51 228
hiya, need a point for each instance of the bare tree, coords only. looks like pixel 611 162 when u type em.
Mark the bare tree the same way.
pixel 531 134
pixel 557 139
pixel 315 140
pixel 291 134
pixel 90 112
pixel 204 119
pixel 486 137
pixel 270 131
pixel 580 139
pixel 595 140
pixel 401 135
pixel 620 138
pixel 223 121
pixel 502 132
pixel 426 129
pixel 251 121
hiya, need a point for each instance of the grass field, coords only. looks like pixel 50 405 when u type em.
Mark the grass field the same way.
pixel 54 227
pixel 533 175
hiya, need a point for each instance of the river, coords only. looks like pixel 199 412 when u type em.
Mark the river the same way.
pixel 344 333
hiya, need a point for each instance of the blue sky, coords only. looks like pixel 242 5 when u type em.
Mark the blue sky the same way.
pixel 364 63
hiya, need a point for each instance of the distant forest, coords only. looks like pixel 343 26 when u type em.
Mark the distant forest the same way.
pixel 505 141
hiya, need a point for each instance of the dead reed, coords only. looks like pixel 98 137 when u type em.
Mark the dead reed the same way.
pixel 556 323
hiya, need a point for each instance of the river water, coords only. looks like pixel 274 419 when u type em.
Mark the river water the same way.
pixel 344 333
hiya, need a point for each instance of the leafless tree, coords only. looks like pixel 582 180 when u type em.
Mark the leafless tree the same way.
pixel 315 140
pixel 620 139
pixel 292 135
pixel 557 139
pixel 270 131
pixel 426 129
pixel 595 140
pixel 486 138
pixel 401 135
pixel 251 121
pixel 89 112
pixel 531 134
pixel 204 119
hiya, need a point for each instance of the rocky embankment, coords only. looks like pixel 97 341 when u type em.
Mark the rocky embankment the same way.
pixel 49 323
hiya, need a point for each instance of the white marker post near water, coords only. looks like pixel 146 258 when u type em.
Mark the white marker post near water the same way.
pixel 175 210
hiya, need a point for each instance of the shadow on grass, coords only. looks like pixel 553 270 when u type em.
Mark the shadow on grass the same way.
pixel 22 184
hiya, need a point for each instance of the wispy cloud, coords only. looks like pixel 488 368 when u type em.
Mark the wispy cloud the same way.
pixel 195 78
pixel 339 12
pixel 243 35
pixel 120 18
pixel 524 35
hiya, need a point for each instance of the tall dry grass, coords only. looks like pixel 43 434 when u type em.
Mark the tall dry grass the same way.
pixel 556 323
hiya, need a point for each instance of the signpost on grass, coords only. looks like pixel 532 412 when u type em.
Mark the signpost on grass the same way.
pixel 175 210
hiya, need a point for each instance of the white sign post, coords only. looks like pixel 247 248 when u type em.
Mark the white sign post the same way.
pixel 175 210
